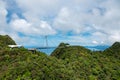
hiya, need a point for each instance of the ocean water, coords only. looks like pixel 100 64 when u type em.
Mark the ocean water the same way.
pixel 97 48
pixel 47 51
pixel 93 48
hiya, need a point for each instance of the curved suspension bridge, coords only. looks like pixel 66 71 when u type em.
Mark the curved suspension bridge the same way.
pixel 45 47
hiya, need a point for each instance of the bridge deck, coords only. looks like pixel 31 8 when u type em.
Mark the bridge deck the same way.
pixel 45 47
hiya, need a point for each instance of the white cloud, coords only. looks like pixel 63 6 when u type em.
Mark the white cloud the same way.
pixel 22 25
pixel 94 42
pixel 34 11
pixel 25 41
pixel 99 18
pixel 39 7
pixel 3 13
pixel 104 15
pixel 67 20
pixel 27 28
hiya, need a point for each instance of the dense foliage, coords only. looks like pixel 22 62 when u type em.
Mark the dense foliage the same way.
pixel 65 63
pixel 91 65
pixel 5 41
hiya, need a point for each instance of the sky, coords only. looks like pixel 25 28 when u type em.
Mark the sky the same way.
pixel 77 22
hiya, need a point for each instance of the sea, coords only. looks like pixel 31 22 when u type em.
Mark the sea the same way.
pixel 47 51
pixel 93 48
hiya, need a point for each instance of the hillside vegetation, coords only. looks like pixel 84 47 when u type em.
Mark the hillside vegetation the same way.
pixel 65 63
pixel 5 41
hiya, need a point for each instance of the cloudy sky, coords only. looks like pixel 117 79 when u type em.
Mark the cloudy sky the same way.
pixel 78 22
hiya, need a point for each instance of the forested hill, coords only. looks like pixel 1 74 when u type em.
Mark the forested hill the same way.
pixel 93 65
pixel 6 40
pixel 65 63
pixel 114 50
pixel 65 50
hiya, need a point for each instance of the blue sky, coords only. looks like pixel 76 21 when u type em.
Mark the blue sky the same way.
pixel 78 22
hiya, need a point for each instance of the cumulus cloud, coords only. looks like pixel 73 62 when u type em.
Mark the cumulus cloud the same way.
pixel 38 5
pixel 34 11
pixel 30 26
pixel 94 42
pixel 26 40
pixel 23 26
pixel 103 20
pixel 3 13
pixel 88 21
pixel 67 21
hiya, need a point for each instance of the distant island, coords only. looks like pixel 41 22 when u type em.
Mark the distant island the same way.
pixel 65 63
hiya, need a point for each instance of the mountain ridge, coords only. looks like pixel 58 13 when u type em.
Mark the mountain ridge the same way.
pixel 65 63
